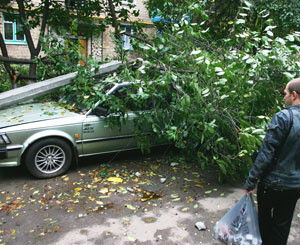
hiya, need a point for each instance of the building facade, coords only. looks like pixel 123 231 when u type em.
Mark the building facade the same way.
pixel 98 46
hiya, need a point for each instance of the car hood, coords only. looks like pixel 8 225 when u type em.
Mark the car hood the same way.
pixel 34 112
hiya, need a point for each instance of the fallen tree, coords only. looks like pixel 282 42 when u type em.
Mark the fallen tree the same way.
pixel 31 91
pixel 216 112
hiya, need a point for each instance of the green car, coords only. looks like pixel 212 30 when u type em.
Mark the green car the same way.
pixel 48 138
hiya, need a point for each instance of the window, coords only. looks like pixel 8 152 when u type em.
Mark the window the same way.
pixel 125 38
pixel 13 31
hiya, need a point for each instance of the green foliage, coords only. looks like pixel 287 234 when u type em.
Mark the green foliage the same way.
pixel 5 84
pixel 83 93
pixel 284 13
pixel 212 99
pixel 220 15
pixel 4 80
pixel 209 97
pixel 61 53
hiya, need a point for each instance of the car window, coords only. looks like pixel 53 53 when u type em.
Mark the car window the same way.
pixel 125 99
pixel 134 98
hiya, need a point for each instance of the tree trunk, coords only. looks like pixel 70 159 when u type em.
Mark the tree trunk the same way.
pixel 9 69
pixel 34 51
pixel 32 71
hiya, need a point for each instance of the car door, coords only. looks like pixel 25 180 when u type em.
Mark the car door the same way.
pixel 98 137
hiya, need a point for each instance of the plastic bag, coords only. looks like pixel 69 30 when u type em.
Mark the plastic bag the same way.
pixel 239 226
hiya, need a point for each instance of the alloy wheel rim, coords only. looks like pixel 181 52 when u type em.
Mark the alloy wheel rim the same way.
pixel 50 159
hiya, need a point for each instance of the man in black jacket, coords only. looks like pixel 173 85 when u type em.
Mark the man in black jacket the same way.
pixel 277 170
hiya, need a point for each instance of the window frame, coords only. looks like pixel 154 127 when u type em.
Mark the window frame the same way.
pixel 14 31
pixel 126 45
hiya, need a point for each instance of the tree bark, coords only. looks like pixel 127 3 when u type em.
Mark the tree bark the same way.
pixel 34 51
pixel 113 15
pixel 9 69
pixel 45 59
pixel 9 60
pixel 137 37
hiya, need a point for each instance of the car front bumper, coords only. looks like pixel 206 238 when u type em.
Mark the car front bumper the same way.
pixel 10 155
pixel 3 153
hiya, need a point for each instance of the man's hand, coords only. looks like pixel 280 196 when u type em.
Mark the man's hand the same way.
pixel 249 192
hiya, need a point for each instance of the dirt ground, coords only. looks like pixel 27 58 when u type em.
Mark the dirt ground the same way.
pixel 121 199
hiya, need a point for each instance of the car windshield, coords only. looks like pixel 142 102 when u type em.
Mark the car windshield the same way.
pixel 74 105
pixel 124 98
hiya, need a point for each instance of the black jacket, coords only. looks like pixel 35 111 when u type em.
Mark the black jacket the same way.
pixel 285 172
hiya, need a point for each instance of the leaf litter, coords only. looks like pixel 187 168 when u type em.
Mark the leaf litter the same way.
pixel 94 191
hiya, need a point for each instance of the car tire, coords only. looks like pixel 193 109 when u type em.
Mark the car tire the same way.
pixel 48 158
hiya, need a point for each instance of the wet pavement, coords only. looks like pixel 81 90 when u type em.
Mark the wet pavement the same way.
pixel 126 198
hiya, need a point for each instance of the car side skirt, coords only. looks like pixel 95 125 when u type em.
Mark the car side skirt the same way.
pixel 105 139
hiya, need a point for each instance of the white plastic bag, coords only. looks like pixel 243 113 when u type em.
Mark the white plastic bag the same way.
pixel 239 226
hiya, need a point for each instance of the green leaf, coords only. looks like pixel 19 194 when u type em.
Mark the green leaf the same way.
pixel 258 131
pixel 290 38
pixel 194 52
pixel 270 33
pixel 240 21
pixel 131 238
pixel 289 75
pixel 218 69
pixel 248 3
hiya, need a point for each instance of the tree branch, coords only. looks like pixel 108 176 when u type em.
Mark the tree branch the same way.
pixel 11 72
pixel 113 15
pixel 137 37
pixel 25 28
pixel 27 77
pixel 43 25
pixel 15 60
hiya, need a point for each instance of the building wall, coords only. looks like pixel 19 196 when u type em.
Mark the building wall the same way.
pixel 19 50
pixel 108 44
pixel 99 46
pixel 96 46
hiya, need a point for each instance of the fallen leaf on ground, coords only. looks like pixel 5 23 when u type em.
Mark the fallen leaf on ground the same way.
pixel 115 179
pixel 103 190
pixel 129 206
pixel 65 178
pixel 147 195
pixel 190 200
pixel 185 209
pixel 150 220
pixel 131 238
pixel 197 180
pixel 84 232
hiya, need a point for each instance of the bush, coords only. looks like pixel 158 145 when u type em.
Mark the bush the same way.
pixel 4 80
pixel 5 84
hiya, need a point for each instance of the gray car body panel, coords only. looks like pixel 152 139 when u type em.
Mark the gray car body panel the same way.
pixel 88 134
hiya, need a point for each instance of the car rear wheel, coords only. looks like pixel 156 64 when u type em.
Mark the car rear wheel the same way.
pixel 48 158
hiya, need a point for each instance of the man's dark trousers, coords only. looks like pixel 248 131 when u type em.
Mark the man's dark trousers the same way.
pixel 275 213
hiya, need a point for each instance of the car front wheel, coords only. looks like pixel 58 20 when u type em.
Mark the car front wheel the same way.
pixel 48 158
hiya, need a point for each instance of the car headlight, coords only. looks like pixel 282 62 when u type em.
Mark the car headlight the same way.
pixel 4 140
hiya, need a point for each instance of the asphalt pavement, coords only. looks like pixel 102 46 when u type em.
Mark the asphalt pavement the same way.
pixel 118 199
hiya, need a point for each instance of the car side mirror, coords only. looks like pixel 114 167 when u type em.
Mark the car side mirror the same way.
pixel 100 111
